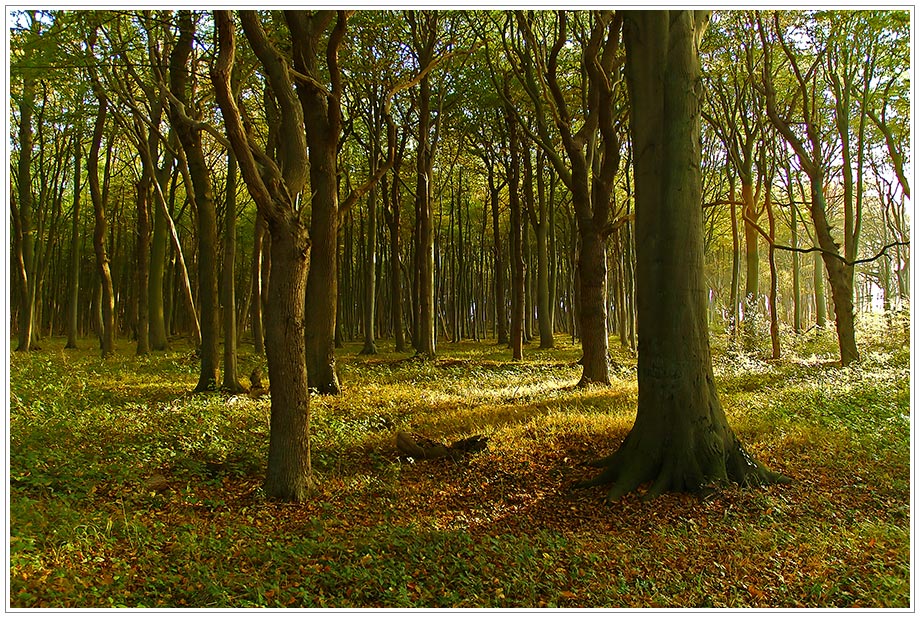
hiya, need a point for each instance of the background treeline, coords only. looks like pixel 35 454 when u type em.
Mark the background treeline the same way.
pixel 129 218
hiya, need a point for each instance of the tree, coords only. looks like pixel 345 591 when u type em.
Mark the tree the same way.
pixel 424 30
pixel 274 185
pixel 681 440
pixel 189 133
pixel 231 381
pixel 24 239
pixel 99 198
pixel 516 236
pixel 813 159
pixel 322 114
pixel 592 152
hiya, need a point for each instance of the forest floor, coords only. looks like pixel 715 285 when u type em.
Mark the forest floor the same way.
pixel 92 525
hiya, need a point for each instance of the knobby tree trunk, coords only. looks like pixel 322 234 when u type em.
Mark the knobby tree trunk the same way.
pixel 681 440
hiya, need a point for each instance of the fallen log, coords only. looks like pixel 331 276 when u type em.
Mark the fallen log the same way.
pixel 420 447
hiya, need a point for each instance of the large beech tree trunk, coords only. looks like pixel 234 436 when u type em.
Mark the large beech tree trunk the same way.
pixel 289 469
pixel 681 440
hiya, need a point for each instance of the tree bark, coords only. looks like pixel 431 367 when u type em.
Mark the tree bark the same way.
pixel 516 241
pixel 540 224
pixel 73 270
pixel 370 261
pixel 323 122
pixel 498 261
pixel 231 381
pixel 392 213
pixel 289 473
pixel 190 138
pixel 158 247
pixel 256 299
pixel 142 262
pixel 107 298
pixel 26 233
pixel 681 440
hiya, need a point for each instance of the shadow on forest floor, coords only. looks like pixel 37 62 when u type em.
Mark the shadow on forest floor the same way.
pixel 126 489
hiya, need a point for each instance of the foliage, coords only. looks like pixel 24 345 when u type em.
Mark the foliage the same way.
pixel 499 528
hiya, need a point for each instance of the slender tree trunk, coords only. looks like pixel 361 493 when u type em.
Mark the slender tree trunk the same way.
pixel 231 381
pixel 322 282
pixel 553 271
pixel 752 265
pixel 592 304
pixel 190 138
pixel 426 286
pixel 840 276
pixel 255 304
pixel 774 317
pixel 27 234
pixel 516 242
pixel 158 249
pixel 73 271
pixel 289 473
pixel 370 262
pixel 681 440
pixel 501 321
pixel 736 260
pixel 796 268
pixel 142 262
pixel 540 225
pixel 322 120
pixel 107 298
pixel 393 219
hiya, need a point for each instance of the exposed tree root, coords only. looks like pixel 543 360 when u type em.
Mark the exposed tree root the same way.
pixel 680 470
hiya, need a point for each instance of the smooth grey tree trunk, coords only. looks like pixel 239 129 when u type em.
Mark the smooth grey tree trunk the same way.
pixel 681 440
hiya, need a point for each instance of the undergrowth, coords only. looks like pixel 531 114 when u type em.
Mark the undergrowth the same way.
pixel 500 528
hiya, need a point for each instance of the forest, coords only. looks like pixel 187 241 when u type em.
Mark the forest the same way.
pixel 459 308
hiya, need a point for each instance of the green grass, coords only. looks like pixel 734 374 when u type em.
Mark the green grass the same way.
pixel 502 528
